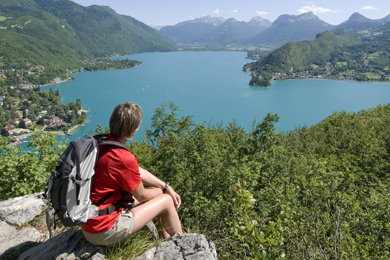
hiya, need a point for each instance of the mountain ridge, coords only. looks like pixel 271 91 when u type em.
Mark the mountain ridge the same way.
pixel 49 32
pixel 286 28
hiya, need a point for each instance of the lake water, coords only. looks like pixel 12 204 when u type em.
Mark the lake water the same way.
pixel 212 87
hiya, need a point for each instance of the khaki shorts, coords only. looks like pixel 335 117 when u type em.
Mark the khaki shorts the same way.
pixel 122 228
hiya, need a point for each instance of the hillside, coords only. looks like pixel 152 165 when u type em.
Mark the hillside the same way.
pixel 319 192
pixel 61 32
pixel 339 55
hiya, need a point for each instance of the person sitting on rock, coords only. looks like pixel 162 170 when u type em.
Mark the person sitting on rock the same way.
pixel 117 171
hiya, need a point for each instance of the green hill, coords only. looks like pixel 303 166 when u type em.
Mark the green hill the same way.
pixel 61 32
pixel 339 55
pixel 302 54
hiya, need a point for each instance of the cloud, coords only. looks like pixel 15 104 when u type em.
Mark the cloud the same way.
pixel 315 9
pixel 217 11
pixel 261 13
pixel 368 7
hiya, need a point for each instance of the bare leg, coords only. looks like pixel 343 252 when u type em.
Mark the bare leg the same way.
pixel 161 207
pixel 162 231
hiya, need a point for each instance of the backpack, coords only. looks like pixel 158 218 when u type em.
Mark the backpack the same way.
pixel 70 184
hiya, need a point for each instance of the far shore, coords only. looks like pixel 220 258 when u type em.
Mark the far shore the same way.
pixel 20 138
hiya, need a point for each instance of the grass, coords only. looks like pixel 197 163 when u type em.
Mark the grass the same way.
pixel 373 56
pixel 135 246
pixel 371 75
pixel 341 63
pixel 3 18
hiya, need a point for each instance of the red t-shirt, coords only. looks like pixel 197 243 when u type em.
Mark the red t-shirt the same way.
pixel 116 168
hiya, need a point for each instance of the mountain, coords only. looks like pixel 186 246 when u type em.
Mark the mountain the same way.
pixel 260 22
pixel 385 19
pixel 217 31
pixel 192 31
pixel 235 32
pixel 358 22
pixel 291 28
pixel 51 32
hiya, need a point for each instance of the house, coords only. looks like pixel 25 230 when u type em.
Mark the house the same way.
pixel 7 130
pixel 25 122
pixel 26 86
pixel 54 122
pixel 13 121
pixel 26 103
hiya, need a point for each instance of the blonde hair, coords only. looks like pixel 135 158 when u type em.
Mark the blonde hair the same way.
pixel 125 119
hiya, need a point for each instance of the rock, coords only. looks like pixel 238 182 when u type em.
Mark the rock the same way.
pixel 69 245
pixel 5 230
pixel 20 210
pixel 182 247
pixel 17 239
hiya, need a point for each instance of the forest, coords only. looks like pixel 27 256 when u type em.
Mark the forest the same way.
pixel 340 55
pixel 318 192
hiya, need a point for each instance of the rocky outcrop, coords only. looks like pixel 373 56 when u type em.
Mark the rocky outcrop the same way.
pixel 71 245
pixel 182 247
pixel 18 211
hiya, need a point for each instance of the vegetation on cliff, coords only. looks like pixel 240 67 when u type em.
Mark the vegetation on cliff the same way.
pixel 316 192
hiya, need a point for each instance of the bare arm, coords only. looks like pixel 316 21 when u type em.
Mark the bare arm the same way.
pixel 142 194
pixel 150 180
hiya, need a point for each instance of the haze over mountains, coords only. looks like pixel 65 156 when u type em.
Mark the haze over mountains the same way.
pixel 215 30
pixel 62 32
pixel 261 32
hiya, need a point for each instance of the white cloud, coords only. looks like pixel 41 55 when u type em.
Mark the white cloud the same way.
pixel 261 13
pixel 234 11
pixel 315 9
pixel 217 11
pixel 368 7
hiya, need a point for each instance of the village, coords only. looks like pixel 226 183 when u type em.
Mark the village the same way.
pixel 24 108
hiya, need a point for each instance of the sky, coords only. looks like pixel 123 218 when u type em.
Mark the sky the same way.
pixel 171 12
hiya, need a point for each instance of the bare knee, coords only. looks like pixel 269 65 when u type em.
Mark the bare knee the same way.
pixel 166 199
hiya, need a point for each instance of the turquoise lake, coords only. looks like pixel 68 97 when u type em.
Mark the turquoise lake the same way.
pixel 211 87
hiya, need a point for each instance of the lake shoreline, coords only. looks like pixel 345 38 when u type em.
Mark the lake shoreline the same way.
pixel 213 88
pixel 21 138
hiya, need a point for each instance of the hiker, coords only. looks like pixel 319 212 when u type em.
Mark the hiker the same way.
pixel 117 171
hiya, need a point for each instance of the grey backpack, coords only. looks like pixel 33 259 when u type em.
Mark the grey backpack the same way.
pixel 70 184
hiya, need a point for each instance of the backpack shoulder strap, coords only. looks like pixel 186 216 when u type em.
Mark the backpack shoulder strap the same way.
pixel 113 143
pixel 101 139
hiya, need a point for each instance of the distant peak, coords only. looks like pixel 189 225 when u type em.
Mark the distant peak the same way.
pixel 356 16
pixel 308 16
pixel 257 19
pixel 285 18
pixel 231 20
pixel 210 20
